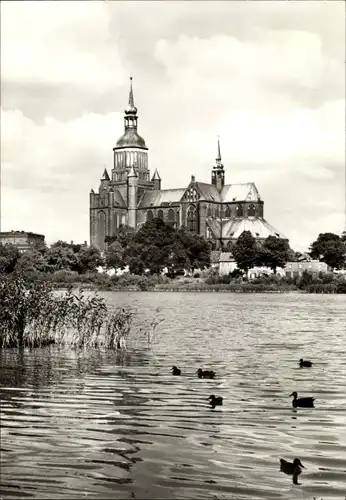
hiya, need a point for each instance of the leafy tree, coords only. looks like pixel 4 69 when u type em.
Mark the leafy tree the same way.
pixel 61 257
pixel 89 259
pixel 245 251
pixel 114 255
pixel 30 263
pixel 329 248
pixel 274 253
pixel 196 247
pixel 9 255
pixel 124 236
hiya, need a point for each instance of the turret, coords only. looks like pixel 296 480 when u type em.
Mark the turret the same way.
pixel 132 181
pixel 104 179
pixel 156 179
pixel 218 173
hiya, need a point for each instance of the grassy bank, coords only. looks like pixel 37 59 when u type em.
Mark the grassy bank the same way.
pixel 209 282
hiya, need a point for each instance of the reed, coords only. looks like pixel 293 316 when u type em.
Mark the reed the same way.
pixel 33 315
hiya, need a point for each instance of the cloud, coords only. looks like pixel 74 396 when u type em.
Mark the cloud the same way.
pixel 59 43
pixel 51 168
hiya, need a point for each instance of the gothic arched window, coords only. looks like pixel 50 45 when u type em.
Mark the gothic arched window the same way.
pixel 217 211
pixel 192 219
pixel 177 215
pixel 209 213
pixel 239 211
pixel 101 229
pixel 149 215
pixel 160 214
pixel 170 217
pixel 251 211
pixel 227 212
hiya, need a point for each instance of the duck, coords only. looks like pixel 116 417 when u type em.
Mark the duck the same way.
pixel 292 468
pixel 215 400
pixel 205 373
pixel 176 371
pixel 303 402
pixel 307 364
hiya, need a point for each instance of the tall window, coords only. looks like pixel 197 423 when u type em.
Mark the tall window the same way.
pixel 170 217
pixel 227 212
pixel 160 214
pixel 251 211
pixel 239 211
pixel 192 219
pixel 177 215
pixel 101 230
pixel 209 213
pixel 149 215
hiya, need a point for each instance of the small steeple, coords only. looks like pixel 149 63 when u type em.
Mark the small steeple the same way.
pixel 156 176
pixel 218 159
pixel 218 173
pixel 131 108
pixel 132 172
pixel 105 176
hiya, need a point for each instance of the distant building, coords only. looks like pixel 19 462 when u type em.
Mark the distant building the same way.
pixel 227 265
pixel 130 196
pixel 22 240
pixel 295 269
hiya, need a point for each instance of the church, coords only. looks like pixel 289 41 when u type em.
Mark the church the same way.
pixel 217 211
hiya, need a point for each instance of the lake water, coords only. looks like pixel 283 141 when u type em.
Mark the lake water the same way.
pixel 102 425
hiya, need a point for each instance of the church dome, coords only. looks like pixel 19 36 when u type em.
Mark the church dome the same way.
pixel 131 139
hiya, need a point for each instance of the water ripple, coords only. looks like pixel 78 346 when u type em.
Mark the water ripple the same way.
pixel 101 424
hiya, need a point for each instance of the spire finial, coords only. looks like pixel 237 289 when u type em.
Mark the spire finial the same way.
pixel 218 149
pixel 131 109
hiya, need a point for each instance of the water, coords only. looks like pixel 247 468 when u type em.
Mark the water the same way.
pixel 102 425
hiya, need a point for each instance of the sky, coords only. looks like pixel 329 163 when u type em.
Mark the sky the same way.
pixel 267 77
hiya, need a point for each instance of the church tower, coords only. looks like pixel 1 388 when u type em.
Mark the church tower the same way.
pixel 218 173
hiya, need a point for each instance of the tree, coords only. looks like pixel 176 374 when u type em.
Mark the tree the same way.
pixel 89 259
pixel 196 247
pixel 274 253
pixel 114 255
pixel 61 257
pixel 124 236
pixel 329 248
pixel 244 251
pixel 9 255
pixel 31 263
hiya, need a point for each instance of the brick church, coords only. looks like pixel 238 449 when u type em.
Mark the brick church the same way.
pixel 130 196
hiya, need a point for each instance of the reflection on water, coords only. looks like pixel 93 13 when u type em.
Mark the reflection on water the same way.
pixel 100 424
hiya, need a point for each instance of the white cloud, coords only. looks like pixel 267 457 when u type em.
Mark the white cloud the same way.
pixel 59 43
pixel 50 169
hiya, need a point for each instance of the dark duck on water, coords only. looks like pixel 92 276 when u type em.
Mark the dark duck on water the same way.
pixel 205 373
pixel 176 371
pixel 302 402
pixel 307 364
pixel 291 468
pixel 215 400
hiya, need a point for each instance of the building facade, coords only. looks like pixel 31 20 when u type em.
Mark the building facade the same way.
pixel 130 196
pixel 22 240
pixel 296 269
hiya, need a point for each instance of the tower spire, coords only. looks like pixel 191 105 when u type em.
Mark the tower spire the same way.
pixel 218 149
pixel 131 108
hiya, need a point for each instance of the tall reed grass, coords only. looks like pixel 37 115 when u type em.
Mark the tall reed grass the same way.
pixel 32 314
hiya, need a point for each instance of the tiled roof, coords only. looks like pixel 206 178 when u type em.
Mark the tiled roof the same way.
pixel 156 197
pixel 208 191
pixel 240 192
pixel 258 227
pixel 118 199
pixel 215 256
pixel 226 257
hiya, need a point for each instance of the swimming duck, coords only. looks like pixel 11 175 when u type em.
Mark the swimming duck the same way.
pixel 291 468
pixel 205 373
pixel 176 371
pixel 303 402
pixel 302 363
pixel 215 400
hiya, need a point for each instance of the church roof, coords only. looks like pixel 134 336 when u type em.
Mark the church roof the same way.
pixel 258 227
pixel 131 139
pixel 208 191
pixel 155 197
pixel 240 192
pixel 118 199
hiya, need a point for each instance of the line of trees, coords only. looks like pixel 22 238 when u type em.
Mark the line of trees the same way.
pixel 156 246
